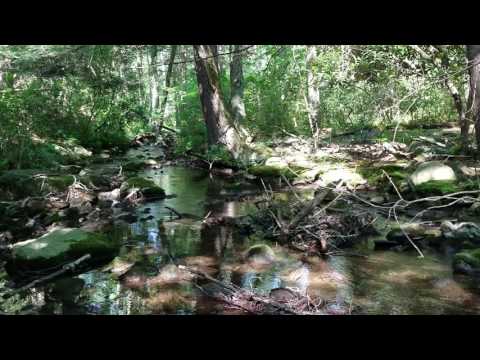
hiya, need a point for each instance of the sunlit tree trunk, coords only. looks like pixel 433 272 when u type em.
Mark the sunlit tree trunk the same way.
pixel 168 80
pixel 473 103
pixel 313 93
pixel 237 85
pixel 221 128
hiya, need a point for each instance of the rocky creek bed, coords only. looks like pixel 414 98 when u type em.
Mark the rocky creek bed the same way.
pixel 152 226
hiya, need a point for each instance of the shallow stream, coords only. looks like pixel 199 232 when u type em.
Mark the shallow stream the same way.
pixel 386 282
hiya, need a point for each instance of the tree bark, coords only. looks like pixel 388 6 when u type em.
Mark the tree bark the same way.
pixel 237 85
pixel 313 93
pixel 168 78
pixel 473 103
pixel 221 128
pixel 154 80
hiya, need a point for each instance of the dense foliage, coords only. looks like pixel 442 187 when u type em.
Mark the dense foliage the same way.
pixel 100 96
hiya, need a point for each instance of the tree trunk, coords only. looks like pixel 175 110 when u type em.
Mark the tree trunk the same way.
pixel 473 104
pixel 313 94
pixel 221 129
pixel 155 99
pixel 442 63
pixel 168 78
pixel 237 85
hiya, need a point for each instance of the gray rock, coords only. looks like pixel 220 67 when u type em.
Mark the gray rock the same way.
pixel 433 170
pixel 458 233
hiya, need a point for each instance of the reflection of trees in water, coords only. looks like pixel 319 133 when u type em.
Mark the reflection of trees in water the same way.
pixel 217 240
pixel 261 282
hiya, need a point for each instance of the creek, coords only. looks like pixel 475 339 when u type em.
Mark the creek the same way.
pixel 385 282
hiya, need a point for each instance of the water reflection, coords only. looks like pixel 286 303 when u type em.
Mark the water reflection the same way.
pixel 385 283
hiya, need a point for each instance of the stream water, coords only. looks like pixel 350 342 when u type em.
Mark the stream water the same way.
pixel 386 282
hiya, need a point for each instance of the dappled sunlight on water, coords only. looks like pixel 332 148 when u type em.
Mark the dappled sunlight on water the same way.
pixel 386 282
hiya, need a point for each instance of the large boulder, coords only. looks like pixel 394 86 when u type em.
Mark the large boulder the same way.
pixel 60 246
pixel 432 171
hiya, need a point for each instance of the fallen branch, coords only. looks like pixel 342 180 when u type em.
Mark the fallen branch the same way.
pixel 174 211
pixel 231 288
pixel 66 268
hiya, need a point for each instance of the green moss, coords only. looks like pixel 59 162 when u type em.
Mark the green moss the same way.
pixel 148 188
pixel 60 183
pixel 469 257
pixel 60 246
pixel 133 166
pixel 437 187
pixel 140 182
pixel 375 175
pixel 271 171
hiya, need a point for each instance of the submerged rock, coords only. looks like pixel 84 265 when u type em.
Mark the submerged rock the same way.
pixel 260 255
pixel 432 171
pixel 60 246
pixel 282 295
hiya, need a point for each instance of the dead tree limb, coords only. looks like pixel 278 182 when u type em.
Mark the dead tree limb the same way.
pixel 66 268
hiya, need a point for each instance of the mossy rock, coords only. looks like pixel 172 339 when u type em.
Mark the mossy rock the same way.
pixel 467 261
pixel 23 183
pixel 60 183
pixel 260 254
pixel 437 187
pixel 133 166
pixel 415 231
pixel 140 182
pixel 147 187
pixel 375 175
pixel 60 246
pixel 271 171
pixel 459 232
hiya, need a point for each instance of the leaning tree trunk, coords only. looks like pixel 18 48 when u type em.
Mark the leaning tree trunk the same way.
pixel 168 79
pixel 221 128
pixel 237 85
pixel 473 104
pixel 313 94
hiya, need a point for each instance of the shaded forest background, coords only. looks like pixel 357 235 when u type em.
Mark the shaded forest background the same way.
pixel 100 96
